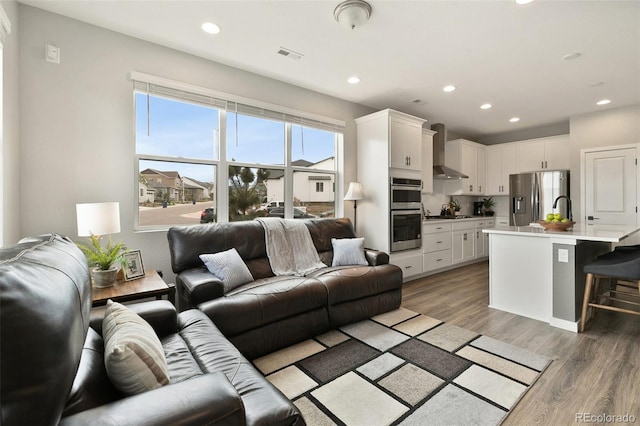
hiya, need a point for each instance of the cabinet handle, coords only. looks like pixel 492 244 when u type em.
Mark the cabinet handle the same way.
pixel 438 242
pixel 464 236
pixel 479 188
pixel 477 234
pixel 542 164
pixel 470 188
pixel 546 166
pixel 439 260
pixel 408 267
pixel 439 227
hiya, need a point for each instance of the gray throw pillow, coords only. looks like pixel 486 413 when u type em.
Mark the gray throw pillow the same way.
pixel 228 267
pixel 348 251
pixel 133 355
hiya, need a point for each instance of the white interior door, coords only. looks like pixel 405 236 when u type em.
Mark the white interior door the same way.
pixel 610 187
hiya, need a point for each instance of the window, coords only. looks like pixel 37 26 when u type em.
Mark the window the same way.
pixel 203 156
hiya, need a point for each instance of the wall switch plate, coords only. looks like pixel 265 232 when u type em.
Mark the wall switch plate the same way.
pixel 52 53
pixel 563 255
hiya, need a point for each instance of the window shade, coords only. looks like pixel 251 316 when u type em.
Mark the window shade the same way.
pixel 201 96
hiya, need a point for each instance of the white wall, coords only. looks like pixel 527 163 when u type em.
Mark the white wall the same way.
pixel 76 120
pixel 10 124
pixel 615 126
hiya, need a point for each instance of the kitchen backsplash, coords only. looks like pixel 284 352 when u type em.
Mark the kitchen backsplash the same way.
pixel 434 202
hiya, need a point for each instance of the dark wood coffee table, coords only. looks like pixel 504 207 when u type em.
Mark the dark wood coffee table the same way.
pixel 151 285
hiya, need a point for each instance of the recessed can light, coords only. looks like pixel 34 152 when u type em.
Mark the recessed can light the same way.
pixel 603 102
pixel 514 119
pixel 524 1
pixel 571 56
pixel 485 106
pixel 449 88
pixel 353 79
pixel 210 27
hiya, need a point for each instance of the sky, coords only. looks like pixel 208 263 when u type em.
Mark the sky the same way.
pixel 179 129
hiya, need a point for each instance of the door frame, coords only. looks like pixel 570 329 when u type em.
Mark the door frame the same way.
pixel 583 175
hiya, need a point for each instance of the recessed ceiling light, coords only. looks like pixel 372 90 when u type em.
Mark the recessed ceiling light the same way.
pixel 449 88
pixel 571 56
pixel 485 106
pixel 524 1
pixel 603 102
pixel 210 27
pixel 353 79
pixel 514 119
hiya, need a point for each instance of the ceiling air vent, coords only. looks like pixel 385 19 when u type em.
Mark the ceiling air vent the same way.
pixel 289 53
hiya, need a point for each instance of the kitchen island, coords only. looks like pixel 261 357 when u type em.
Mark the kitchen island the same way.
pixel 538 274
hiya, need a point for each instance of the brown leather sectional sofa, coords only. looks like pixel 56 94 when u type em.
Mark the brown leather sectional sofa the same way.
pixel 52 359
pixel 273 312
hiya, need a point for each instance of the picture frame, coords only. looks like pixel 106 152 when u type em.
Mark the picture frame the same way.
pixel 133 267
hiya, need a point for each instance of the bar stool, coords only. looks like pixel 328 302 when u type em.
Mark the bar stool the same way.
pixel 622 267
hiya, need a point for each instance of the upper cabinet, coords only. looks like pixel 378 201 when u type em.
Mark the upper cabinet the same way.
pixel 551 153
pixel 469 158
pixel 405 141
pixel 427 160
pixel 501 162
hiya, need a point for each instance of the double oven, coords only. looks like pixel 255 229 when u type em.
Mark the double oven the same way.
pixel 406 214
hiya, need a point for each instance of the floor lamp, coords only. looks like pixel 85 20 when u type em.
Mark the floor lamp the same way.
pixel 354 193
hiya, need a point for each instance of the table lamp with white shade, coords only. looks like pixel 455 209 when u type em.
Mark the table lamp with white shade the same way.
pixel 94 221
pixel 355 193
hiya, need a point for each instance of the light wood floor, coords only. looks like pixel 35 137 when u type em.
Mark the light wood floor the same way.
pixel 595 372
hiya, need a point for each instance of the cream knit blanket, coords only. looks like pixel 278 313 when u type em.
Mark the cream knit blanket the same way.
pixel 290 248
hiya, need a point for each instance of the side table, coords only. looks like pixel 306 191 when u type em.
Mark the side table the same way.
pixel 151 285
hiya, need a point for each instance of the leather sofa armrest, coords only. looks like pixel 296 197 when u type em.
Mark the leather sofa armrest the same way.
pixel 160 314
pixel 206 399
pixel 198 285
pixel 375 257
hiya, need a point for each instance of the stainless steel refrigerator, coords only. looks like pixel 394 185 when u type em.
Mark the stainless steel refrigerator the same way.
pixel 531 196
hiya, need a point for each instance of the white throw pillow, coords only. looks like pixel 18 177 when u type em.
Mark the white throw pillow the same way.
pixel 348 251
pixel 228 267
pixel 133 355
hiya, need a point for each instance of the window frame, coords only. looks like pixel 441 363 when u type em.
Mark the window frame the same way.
pixel 242 105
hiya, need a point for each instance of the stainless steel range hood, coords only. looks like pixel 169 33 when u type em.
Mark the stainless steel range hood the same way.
pixel 440 171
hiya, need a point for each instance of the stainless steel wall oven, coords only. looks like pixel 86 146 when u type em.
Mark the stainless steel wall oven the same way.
pixel 406 214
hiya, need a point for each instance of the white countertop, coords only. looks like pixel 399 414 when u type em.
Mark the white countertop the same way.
pixel 579 231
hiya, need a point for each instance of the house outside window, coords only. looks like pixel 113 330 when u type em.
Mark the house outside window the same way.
pixel 199 153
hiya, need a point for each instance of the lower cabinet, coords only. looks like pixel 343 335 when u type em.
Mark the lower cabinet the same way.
pixel 409 261
pixel 482 239
pixel 436 246
pixel 463 242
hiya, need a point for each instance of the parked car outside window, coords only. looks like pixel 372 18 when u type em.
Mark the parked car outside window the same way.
pixel 297 213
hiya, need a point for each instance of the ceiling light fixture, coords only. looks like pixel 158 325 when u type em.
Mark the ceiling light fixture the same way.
pixel 449 88
pixel 352 13
pixel 354 79
pixel 485 106
pixel 603 102
pixel 514 119
pixel 210 27
pixel 524 1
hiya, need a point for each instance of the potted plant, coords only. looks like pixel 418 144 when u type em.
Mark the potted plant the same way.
pixel 454 206
pixel 103 260
pixel 487 205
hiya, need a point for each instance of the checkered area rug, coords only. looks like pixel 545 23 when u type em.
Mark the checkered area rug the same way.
pixel 403 368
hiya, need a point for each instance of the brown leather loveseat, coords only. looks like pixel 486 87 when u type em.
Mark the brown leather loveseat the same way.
pixel 273 312
pixel 52 359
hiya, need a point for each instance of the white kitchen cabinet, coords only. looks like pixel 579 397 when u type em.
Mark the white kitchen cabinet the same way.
pixel 469 158
pixel 501 162
pixel 436 246
pixel 462 242
pixel 405 139
pixel 550 153
pixel 482 239
pixel 376 140
pixel 502 221
pixel 409 261
pixel 427 160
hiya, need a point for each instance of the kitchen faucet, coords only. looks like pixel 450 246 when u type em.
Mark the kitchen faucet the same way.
pixel 569 213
